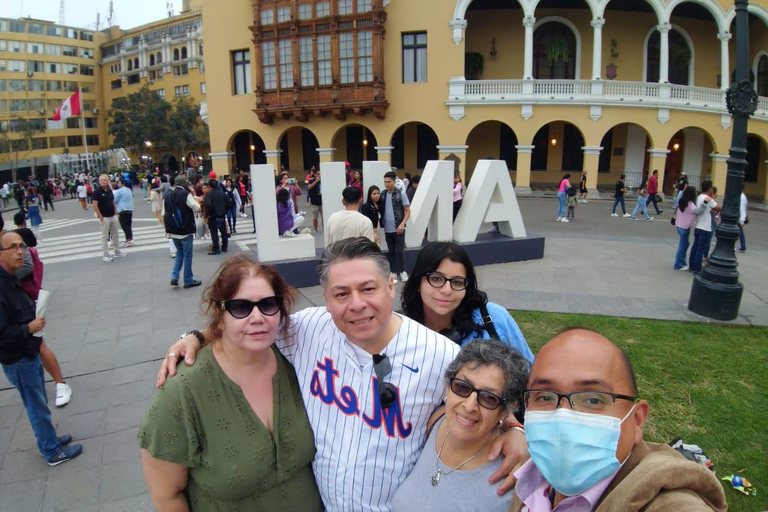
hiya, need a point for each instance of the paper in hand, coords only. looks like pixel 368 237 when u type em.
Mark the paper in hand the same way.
pixel 42 303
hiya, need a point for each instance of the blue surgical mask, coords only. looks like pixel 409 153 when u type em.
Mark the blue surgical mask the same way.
pixel 573 450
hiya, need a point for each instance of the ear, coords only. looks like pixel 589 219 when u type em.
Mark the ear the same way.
pixel 639 416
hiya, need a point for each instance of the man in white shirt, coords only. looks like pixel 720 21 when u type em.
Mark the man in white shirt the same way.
pixel 742 220
pixel 702 235
pixel 4 194
pixel 349 222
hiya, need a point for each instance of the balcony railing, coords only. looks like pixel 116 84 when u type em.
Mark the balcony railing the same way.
pixel 588 92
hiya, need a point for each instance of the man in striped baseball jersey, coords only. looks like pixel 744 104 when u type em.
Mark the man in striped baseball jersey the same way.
pixel 370 379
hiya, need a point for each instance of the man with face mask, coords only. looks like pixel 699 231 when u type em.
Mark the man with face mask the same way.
pixel 584 427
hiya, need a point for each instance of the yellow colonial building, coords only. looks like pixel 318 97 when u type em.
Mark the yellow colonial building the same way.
pixel 550 86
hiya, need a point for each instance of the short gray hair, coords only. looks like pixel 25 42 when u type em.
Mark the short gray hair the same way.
pixel 513 366
pixel 351 249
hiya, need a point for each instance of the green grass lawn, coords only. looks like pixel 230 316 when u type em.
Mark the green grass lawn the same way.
pixel 704 383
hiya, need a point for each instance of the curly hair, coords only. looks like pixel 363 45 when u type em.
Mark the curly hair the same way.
pixel 430 257
pixel 226 283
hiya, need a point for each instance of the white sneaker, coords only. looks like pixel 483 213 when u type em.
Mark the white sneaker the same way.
pixel 404 276
pixel 649 219
pixel 63 394
pixel 393 276
pixel 614 215
pixel 172 255
pixel 564 220
pixel 289 234
pixel 106 257
pixel 306 231
pixel 558 219
pixel 128 243
pixel 119 255
pixel 583 201
pixel 626 215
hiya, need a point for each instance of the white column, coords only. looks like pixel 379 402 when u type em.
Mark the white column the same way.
pixel 693 152
pixel 528 22
pixel 634 154
pixel 664 29
pixel 597 48
pixel 326 154
pixel 725 66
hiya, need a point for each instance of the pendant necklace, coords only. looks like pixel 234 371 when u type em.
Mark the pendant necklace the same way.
pixel 439 472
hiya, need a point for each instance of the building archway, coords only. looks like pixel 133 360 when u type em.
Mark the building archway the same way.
pixel 689 152
pixel 247 148
pixel 413 145
pixel 557 150
pixel 625 151
pixel 681 57
pixel 299 150
pixel 354 143
pixel 169 162
pixel 491 140
pixel 756 173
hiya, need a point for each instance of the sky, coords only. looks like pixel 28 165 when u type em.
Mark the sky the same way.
pixel 82 13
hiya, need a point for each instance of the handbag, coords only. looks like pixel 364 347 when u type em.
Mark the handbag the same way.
pixel 659 199
pixel 672 221
pixel 199 227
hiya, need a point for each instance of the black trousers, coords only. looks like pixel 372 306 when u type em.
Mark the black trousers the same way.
pixel 218 225
pixel 396 253
pixel 47 201
pixel 126 223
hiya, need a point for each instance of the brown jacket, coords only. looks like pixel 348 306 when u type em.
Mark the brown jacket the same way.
pixel 662 480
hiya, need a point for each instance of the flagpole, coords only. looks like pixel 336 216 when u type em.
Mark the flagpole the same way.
pixel 82 122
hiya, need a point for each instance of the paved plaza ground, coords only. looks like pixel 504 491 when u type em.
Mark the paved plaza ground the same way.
pixel 110 324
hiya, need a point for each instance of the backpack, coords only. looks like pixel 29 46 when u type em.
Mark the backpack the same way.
pixel 230 199
pixel 572 191
pixel 34 281
pixel 88 189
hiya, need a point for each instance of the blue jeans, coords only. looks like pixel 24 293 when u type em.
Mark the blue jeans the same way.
pixel 27 377
pixel 652 199
pixel 742 240
pixel 561 200
pixel 618 200
pixel 232 218
pixel 641 206
pixel 183 256
pixel 682 247
pixel 700 247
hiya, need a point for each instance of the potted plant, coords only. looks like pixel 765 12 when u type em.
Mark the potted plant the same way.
pixel 473 65
pixel 557 49
pixel 681 56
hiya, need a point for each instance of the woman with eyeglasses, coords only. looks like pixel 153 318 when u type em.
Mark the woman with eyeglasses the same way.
pixel 484 385
pixel 442 294
pixel 232 431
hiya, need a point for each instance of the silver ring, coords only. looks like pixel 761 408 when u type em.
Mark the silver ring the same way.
pixel 172 354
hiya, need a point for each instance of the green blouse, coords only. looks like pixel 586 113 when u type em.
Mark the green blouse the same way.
pixel 201 419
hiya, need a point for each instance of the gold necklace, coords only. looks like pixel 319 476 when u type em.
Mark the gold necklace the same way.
pixel 438 470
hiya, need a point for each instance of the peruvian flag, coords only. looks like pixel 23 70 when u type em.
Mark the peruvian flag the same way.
pixel 70 107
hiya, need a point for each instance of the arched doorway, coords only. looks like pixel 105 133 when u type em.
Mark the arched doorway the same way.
pixel 170 163
pixel 756 173
pixel 247 149
pixel 554 52
pixel 625 151
pixel 689 151
pixel 680 58
pixel 414 144
pixel 557 149
pixel 299 150
pixel 355 144
pixel 491 140
pixel 762 75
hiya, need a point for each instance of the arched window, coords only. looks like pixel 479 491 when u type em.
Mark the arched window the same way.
pixel 151 60
pixel 184 53
pixel 175 54
pixel 130 65
pixel 762 76
pixel 554 52
pixel 159 58
pixel 679 58
pixel 136 63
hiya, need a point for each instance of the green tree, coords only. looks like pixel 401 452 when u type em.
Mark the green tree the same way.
pixel 186 129
pixel 137 118
pixel 16 140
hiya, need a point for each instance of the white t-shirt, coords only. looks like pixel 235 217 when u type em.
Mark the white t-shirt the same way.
pixel 704 219
pixel 364 452
pixel 348 224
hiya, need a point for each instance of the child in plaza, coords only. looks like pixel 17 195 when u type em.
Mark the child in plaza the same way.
pixel 33 216
pixel 572 202
pixel 642 203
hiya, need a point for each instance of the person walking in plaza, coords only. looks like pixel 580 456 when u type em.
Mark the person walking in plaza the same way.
pixel 642 204
pixel 216 212
pixel 105 209
pixel 124 203
pixel 4 193
pixel 155 201
pixel 562 197
pixel 685 216
pixel 233 205
pixel 653 190
pixel 371 210
pixel 680 185
pixel 349 222
pixel 179 208
pixel 572 202
pixel 618 197
pixel 743 220
pixel 82 195
pixel 20 353
pixel 395 210
pixel 702 235
pixel 315 195
pixel 458 190
pixel 47 191
pixel 34 217
pixel 582 197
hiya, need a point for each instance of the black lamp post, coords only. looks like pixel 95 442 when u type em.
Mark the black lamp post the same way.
pixel 716 293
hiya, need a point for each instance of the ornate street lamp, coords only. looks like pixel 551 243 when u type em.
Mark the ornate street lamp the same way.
pixel 716 293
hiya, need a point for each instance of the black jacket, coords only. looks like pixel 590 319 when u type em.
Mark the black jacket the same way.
pixel 397 206
pixel 16 311
pixel 372 213
pixel 215 203
pixel 179 218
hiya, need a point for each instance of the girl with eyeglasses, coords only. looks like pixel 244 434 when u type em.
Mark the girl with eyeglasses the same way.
pixel 484 385
pixel 442 294
pixel 233 427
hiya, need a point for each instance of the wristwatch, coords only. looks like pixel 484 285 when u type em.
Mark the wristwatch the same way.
pixel 196 333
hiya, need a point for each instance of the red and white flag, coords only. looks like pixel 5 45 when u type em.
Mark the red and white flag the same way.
pixel 70 107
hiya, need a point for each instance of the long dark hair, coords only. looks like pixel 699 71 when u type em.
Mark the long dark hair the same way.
pixel 283 196
pixel 371 190
pixel 689 196
pixel 430 257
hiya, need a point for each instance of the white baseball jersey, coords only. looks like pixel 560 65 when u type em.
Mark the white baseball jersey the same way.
pixel 364 451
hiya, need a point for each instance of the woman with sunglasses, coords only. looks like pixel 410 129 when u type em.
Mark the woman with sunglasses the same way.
pixel 442 294
pixel 233 431
pixel 484 385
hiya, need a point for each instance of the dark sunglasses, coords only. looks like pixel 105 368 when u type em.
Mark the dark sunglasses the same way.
pixel 387 390
pixel 241 308
pixel 485 399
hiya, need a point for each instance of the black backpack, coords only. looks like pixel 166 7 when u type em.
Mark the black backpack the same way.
pixel 230 199
pixel 572 191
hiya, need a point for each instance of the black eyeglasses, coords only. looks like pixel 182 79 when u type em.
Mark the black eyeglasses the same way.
pixel 387 390
pixel 14 247
pixel 485 399
pixel 581 401
pixel 241 308
pixel 437 280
